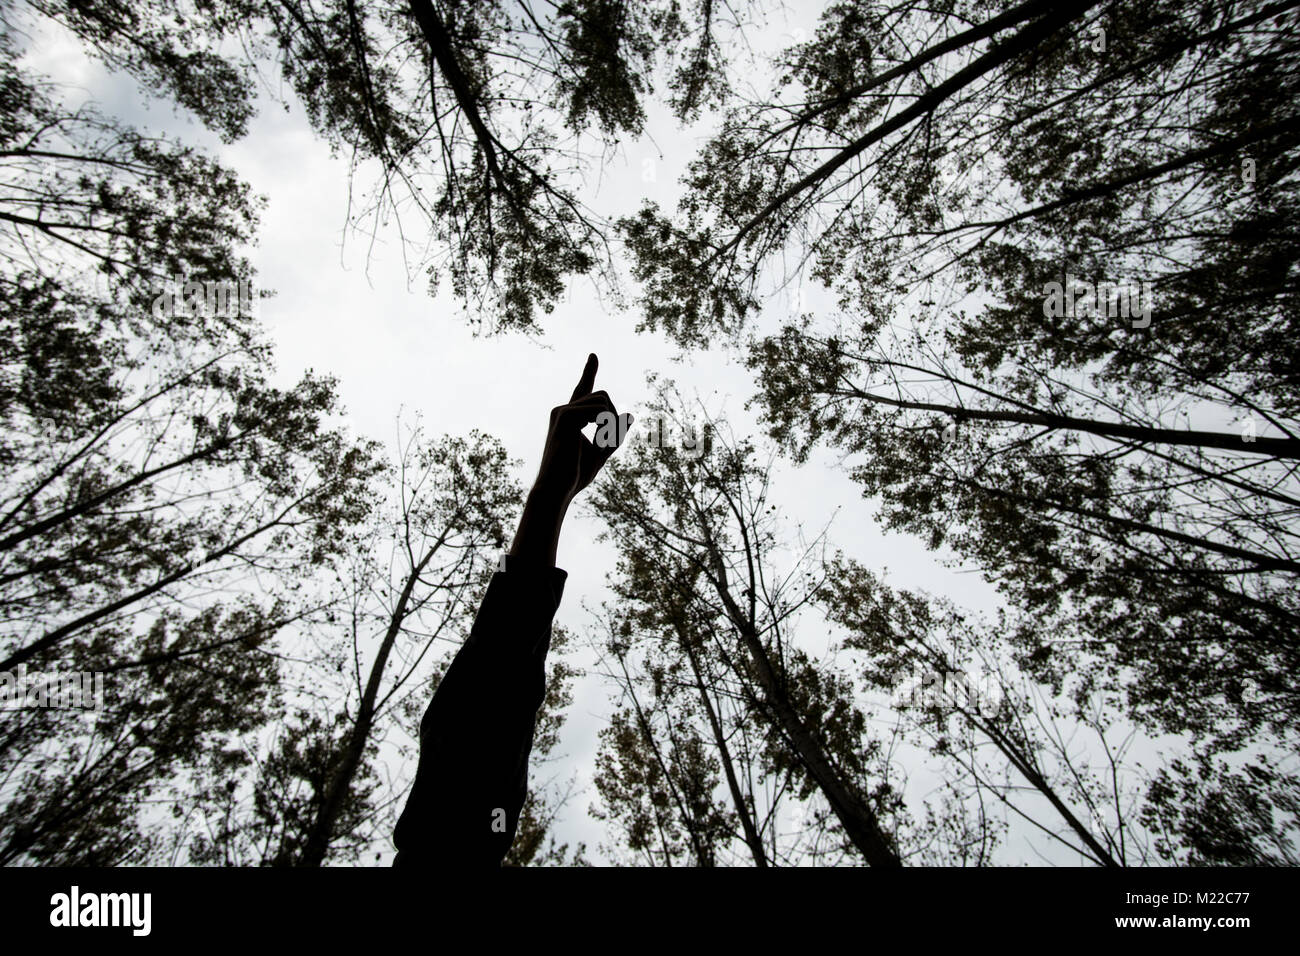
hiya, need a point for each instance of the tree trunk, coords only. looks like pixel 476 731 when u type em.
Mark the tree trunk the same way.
pixel 318 838
pixel 859 821
pixel 752 838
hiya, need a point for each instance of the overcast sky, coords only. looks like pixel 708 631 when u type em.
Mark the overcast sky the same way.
pixel 347 308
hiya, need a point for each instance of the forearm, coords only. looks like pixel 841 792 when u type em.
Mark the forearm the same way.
pixel 538 536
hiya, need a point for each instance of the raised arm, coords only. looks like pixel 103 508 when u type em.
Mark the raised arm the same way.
pixel 477 734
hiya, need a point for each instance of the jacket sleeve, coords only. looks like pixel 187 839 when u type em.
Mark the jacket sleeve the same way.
pixel 477 734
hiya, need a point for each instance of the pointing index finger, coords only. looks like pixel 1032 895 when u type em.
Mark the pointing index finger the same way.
pixel 588 380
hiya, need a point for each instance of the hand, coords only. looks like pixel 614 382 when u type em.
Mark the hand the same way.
pixel 570 461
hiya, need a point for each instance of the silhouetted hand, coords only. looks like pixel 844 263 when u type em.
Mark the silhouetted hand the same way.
pixel 570 461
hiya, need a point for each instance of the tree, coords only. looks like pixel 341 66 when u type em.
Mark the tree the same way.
pixel 480 118
pixel 164 506
pixel 144 451
pixel 453 499
pixel 695 534
pixel 172 52
pixel 668 746
pixel 1208 813
pixel 81 787
pixel 954 684
pixel 697 761
pixel 1034 221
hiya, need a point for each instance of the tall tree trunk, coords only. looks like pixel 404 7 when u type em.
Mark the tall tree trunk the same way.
pixel 860 823
pixel 855 815
pixel 318 838
pixel 703 853
pixel 743 809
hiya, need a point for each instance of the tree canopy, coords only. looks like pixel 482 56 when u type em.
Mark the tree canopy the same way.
pixel 1055 249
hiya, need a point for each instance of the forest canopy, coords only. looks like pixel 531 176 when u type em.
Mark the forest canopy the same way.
pixel 1054 248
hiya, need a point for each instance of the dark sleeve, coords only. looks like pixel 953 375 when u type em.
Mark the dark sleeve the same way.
pixel 476 736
